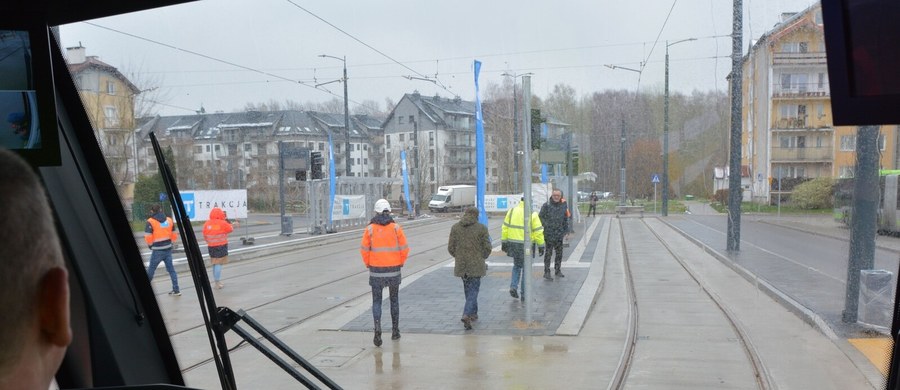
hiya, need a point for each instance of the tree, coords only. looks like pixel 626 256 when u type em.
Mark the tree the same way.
pixel 642 161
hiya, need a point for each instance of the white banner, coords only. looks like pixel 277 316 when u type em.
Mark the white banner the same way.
pixel 199 203
pixel 349 207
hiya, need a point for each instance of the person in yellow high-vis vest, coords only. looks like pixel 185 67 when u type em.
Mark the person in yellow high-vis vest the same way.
pixel 512 236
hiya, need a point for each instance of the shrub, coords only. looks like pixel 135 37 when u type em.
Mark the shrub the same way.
pixel 814 194
pixel 721 196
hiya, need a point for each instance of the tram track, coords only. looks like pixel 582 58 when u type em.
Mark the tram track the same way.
pixel 634 339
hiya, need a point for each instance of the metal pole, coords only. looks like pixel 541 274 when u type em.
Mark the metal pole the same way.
pixel 571 168
pixel 665 180
pixel 526 186
pixel 622 195
pixel 733 242
pixel 515 136
pixel 346 116
pixel 281 186
pixel 416 182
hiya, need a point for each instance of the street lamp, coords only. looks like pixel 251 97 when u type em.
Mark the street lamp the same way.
pixel 622 193
pixel 515 127
pixel 665 180
pixel 346 106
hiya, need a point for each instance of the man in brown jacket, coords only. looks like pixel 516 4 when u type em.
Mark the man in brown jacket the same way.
pixel 470 245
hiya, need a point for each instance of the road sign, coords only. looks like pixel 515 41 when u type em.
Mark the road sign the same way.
pixel 655 179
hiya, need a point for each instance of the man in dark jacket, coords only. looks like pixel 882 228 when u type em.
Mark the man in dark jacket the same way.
pixel 557 222
pixel 470 245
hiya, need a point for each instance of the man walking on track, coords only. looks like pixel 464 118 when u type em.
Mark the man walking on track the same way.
pixel 470 246
pixel 512 235
pixel 159 234
pixel 557 221
pixel 384 251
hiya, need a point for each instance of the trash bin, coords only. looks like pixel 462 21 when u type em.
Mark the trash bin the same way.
pixel 689 197
pixel 875 297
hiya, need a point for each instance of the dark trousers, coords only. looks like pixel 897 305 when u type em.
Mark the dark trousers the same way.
pixel 549 248
pixel 592 210
pixel 394 290
pixel 471 285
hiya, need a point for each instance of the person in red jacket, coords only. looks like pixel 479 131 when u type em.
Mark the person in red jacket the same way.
pixel 215 232
pixel 384 251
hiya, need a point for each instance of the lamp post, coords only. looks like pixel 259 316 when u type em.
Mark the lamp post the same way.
pixel 515 127
pixel 346 106
pixel 622 194
pixel 665 180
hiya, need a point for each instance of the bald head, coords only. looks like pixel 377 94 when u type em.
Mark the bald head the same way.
pixel 34 328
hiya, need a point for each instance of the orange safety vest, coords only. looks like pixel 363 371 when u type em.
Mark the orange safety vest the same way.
pixel 163 234
pixel 384 245
pixel 216 229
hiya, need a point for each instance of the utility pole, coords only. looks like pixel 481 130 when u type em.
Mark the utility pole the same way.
pixel 346 108
pixel 733 240
pixel 665 180
pixel 863 225
pixel 416 183
pixel 526 187
pixel 622 195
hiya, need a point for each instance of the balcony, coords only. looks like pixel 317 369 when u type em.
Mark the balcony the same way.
pixel 458 146
pixel 794 59
pixel 801 93
pixel 791 123
pixel 458 163
pixel 810 155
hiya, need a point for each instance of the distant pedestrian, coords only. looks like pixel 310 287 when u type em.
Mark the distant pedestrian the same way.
pixel 470 246
pixel 159 234
pixel 512 235
pixel 215 232
pixel 384 251
pixel 557 222
pixel 592 210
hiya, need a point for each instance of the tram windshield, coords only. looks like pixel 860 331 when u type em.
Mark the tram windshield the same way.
pixel 724 248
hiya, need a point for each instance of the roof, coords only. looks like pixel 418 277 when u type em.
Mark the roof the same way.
pixel 92 62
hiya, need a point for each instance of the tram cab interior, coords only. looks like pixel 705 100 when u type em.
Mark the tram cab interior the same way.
pixel 120 338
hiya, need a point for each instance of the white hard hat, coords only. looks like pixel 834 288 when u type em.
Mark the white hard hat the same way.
pixel 382 205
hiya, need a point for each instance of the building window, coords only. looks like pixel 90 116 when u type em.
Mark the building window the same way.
pixel 401 137
pixel 881 142
pixel 112 116
pixel 198 149
pixel 431 173
pixel 110 88
pixel 218 148
pixel 207 148
pixel 357 146
pixel 366 147
pixel 387 141
pixel 794 82
pixel 848 143
pixel 399 119
pixel 846 171
pixel 248 147
pixel 412 119
pixel 261 149
pixel 430 138
pixel 321 146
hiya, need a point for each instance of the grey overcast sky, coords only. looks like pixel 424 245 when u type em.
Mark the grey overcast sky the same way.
pixel 262 50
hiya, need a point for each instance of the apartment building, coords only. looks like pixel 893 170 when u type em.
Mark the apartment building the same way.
pixel 787 130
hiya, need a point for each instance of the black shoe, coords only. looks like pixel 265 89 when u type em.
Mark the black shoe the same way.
pixel 559 274
pixel 377 339
pixel 467 322
pixel 513 293
pixel 395 334
pixel 473 317
pixel 547 275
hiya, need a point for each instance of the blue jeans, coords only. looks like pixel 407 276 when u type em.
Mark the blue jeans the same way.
pixel 165 256
pixel 516 277
pixel 471 285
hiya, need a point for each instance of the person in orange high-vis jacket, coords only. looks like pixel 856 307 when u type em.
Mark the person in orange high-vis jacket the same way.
pixel 384 251
pixel 159 233
pixel 215 232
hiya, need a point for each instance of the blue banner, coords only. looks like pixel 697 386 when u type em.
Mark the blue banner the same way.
pixel 479 152
pixel 331 178
pixel 405 175
pixel 544 178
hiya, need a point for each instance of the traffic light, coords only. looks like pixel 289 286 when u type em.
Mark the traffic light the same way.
pixel 315 165
pixel 536 121
pixel 573 169
pixel 300 175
